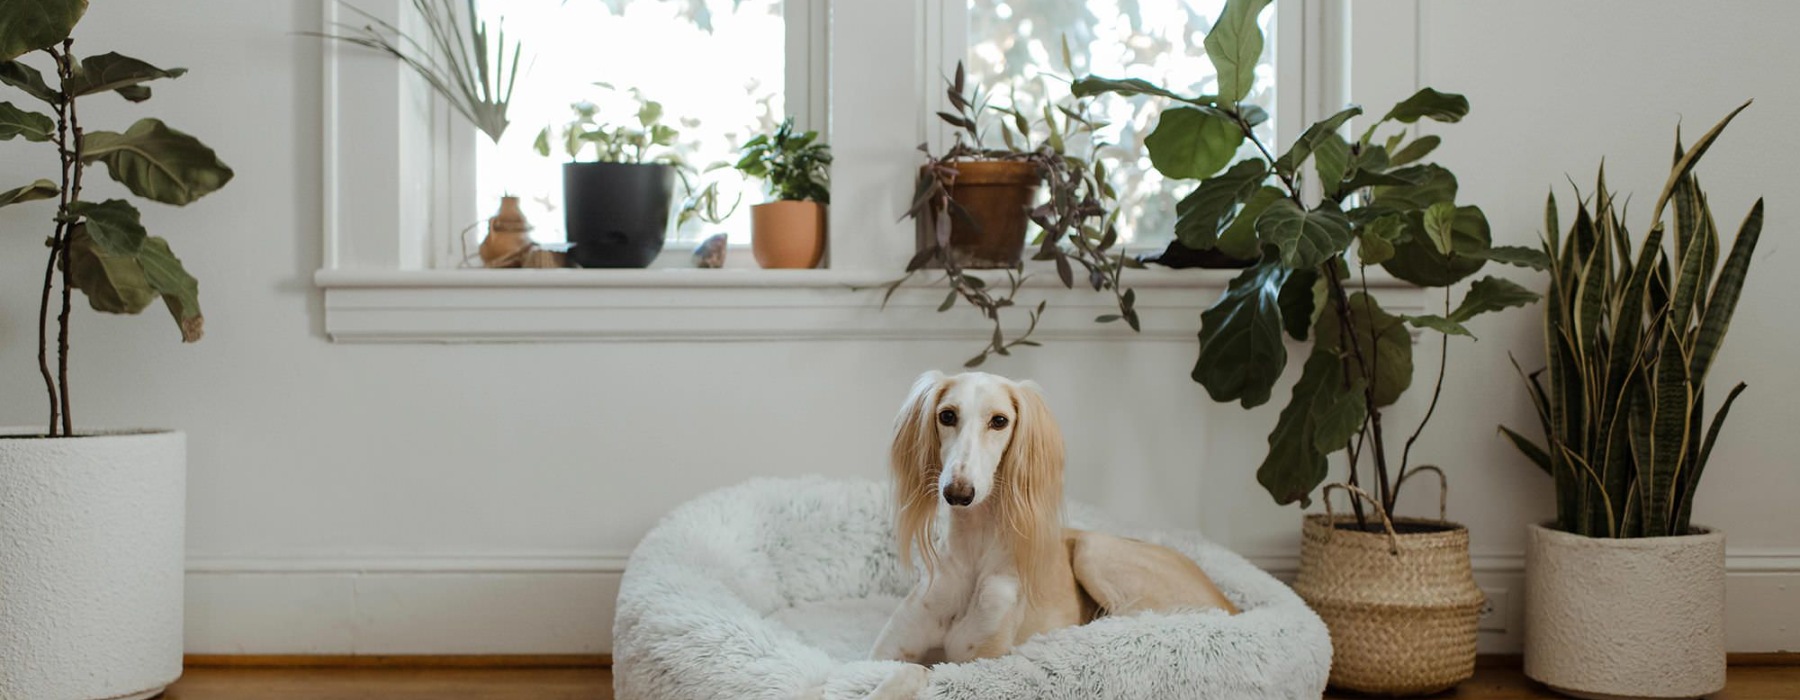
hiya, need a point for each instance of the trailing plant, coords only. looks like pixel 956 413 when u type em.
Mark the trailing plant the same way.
pixel 1629 340
pixel 797 166
pixel 455 57
pixel 1376 197
pixel 1076 221
pixel 98 247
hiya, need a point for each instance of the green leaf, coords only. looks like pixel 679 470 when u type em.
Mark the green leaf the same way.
pixel 1296 302
pixel 1516 255
pixel 156 162
pixel 1439 219
pixel 1338 414
pixel 1095 85
pixel 1383 344
pixel 1431 184
pixel 1536 454
pixel 1419 262
pixel 179 290
pixel 1191 143
pixel 113 284
pixel 111 71
pixel 41 189
pixel 1241 351
pixel 1201 215
pixel 1375 242
pixel 113 224
pixel 1310 139
pixel 1295 464
pixel 15 122
pixel 1235 44
pixel 1239 238
pixel 1304 238
pixel 1331 158
pixel 1429 104
pixel 1722 303
pixel 28 80
pixel 1419 148
pixel 1492 294
pixel 1439 324
pixel 29 25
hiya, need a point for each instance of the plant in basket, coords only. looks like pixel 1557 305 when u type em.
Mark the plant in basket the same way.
pixel 1630 339
pixel 1397 593
pixel 973 204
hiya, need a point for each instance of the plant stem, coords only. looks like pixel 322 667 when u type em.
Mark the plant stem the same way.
pixel 71 156
pixel 1436 391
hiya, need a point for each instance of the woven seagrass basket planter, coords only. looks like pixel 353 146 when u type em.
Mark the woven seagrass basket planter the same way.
pixel 1401 602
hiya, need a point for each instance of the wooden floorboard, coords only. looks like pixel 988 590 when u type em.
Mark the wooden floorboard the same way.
pixel 453 683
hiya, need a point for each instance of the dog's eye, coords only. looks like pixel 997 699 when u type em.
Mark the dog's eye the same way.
pixel 997 423
pixel 947 417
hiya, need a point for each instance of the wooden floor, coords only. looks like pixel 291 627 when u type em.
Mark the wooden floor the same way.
pixel 237 683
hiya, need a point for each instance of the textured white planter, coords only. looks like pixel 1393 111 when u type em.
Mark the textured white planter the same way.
pixel 1626 618
pixel 91 565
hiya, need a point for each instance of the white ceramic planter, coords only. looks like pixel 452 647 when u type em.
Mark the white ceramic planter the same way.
pixel 91 565
pixel 1626 618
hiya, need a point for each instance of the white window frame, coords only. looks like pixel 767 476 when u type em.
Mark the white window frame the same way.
pixel 884 73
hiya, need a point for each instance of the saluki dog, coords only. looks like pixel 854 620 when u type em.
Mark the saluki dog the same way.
pixel 986 447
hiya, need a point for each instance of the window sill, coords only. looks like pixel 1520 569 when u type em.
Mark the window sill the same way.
pixel 487 306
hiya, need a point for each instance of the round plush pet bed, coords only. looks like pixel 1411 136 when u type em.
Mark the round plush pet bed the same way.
pixel 777 588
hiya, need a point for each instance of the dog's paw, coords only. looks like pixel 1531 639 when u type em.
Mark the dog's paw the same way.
pixel 904 683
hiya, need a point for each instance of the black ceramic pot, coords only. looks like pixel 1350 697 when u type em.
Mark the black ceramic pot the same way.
pixel 617 214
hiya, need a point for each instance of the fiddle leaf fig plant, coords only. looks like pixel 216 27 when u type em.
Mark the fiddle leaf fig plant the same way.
pixel 1629 341
pixel 1377 205
pixel 99 247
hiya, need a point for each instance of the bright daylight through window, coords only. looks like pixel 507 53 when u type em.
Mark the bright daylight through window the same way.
pixel 714 67
pixel 1015 50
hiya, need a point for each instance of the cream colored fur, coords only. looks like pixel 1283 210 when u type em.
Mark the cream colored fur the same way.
pixel 987 449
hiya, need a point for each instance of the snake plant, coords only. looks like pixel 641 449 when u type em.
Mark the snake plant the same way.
pixel 1630 338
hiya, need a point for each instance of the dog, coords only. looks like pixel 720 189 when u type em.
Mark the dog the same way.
pixel 987 448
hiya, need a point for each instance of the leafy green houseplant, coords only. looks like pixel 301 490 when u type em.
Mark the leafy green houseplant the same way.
pixel 616 207
pixel 1378 203
pixel 1630 341
pixel 93 521
pixel 473 69
pixel 972 204
pixel 790 231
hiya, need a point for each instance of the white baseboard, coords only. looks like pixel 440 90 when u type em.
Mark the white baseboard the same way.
pixel 563 603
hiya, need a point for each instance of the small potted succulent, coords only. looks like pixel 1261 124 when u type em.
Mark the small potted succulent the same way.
pixel 92 524
pixel 790 231
pixel 972 206
pixel 616 207
pixel 1398 594
pixel 1625 596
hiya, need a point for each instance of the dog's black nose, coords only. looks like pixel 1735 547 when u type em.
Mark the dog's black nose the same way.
pixel 959 493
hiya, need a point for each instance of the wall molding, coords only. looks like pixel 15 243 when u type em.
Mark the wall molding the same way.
pixel 500 306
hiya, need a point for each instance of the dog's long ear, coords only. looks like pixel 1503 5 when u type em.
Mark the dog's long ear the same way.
pixel 1032 471
pixel 914 460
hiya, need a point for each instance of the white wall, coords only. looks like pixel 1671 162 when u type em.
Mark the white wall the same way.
pixel 465 499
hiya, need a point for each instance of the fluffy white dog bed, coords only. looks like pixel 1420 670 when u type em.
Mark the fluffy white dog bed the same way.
pixel 777 588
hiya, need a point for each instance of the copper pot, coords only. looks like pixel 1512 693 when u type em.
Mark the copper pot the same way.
pixel 998 194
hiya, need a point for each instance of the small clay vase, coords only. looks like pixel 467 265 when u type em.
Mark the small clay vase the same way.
pixel 508 237
pixel 788 234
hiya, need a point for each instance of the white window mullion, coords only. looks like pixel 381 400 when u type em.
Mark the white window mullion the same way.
pixel 876 127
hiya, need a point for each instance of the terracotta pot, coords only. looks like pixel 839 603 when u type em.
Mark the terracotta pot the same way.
pixel 1400 601
pixel 998 195
pixel 509 236
pixel 788 235
pixel 1626 618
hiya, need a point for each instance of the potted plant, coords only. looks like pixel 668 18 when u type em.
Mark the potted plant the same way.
pixel 971 206
pixel 1624 595
pixel 92 520
pixel 616 207
pixel 790 231
pixel 1397 593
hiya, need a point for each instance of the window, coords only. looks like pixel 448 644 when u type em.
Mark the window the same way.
pixel 717 68
pixel 1015 51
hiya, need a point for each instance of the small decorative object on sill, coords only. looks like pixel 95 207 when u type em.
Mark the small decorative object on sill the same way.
pixel 508 238
pixel 540 258
pixel 710 254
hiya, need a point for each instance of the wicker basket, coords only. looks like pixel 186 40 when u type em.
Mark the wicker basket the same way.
pixel 1402 608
